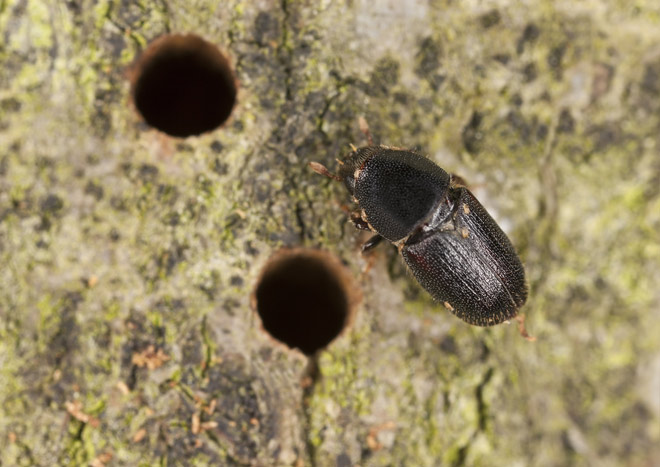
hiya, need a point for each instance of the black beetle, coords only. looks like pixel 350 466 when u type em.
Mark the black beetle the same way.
pixel 452 246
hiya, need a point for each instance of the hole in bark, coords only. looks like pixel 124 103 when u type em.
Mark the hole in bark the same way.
pixel 304 298
pixel 184 85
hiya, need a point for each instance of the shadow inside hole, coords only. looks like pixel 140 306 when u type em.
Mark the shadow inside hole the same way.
pixel 302 302
pixel 184 86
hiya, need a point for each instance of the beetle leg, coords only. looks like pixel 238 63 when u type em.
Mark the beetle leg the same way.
pixel 371 243
pixel 371 260
pixel 521 327
pixel 358 222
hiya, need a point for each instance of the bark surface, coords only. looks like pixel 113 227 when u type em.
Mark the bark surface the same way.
pixel 128 257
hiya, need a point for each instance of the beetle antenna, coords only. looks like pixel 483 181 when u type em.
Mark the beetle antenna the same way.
pixel 352 146
pixel 339 161
pixel 323 170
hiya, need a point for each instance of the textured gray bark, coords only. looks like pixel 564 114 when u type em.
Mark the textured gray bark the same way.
pixel 128 257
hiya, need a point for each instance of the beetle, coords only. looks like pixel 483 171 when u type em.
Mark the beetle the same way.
pixel 452 246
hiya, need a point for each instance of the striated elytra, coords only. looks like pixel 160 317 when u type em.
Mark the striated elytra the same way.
pixel 452 246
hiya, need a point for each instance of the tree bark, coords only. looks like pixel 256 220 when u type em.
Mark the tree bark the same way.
pixel 129 257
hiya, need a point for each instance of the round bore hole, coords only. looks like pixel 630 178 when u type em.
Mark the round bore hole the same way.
pixel 183 85
pixel 305 298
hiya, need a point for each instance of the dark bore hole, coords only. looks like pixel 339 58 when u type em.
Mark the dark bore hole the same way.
pixel 303 299
pixel 184 85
